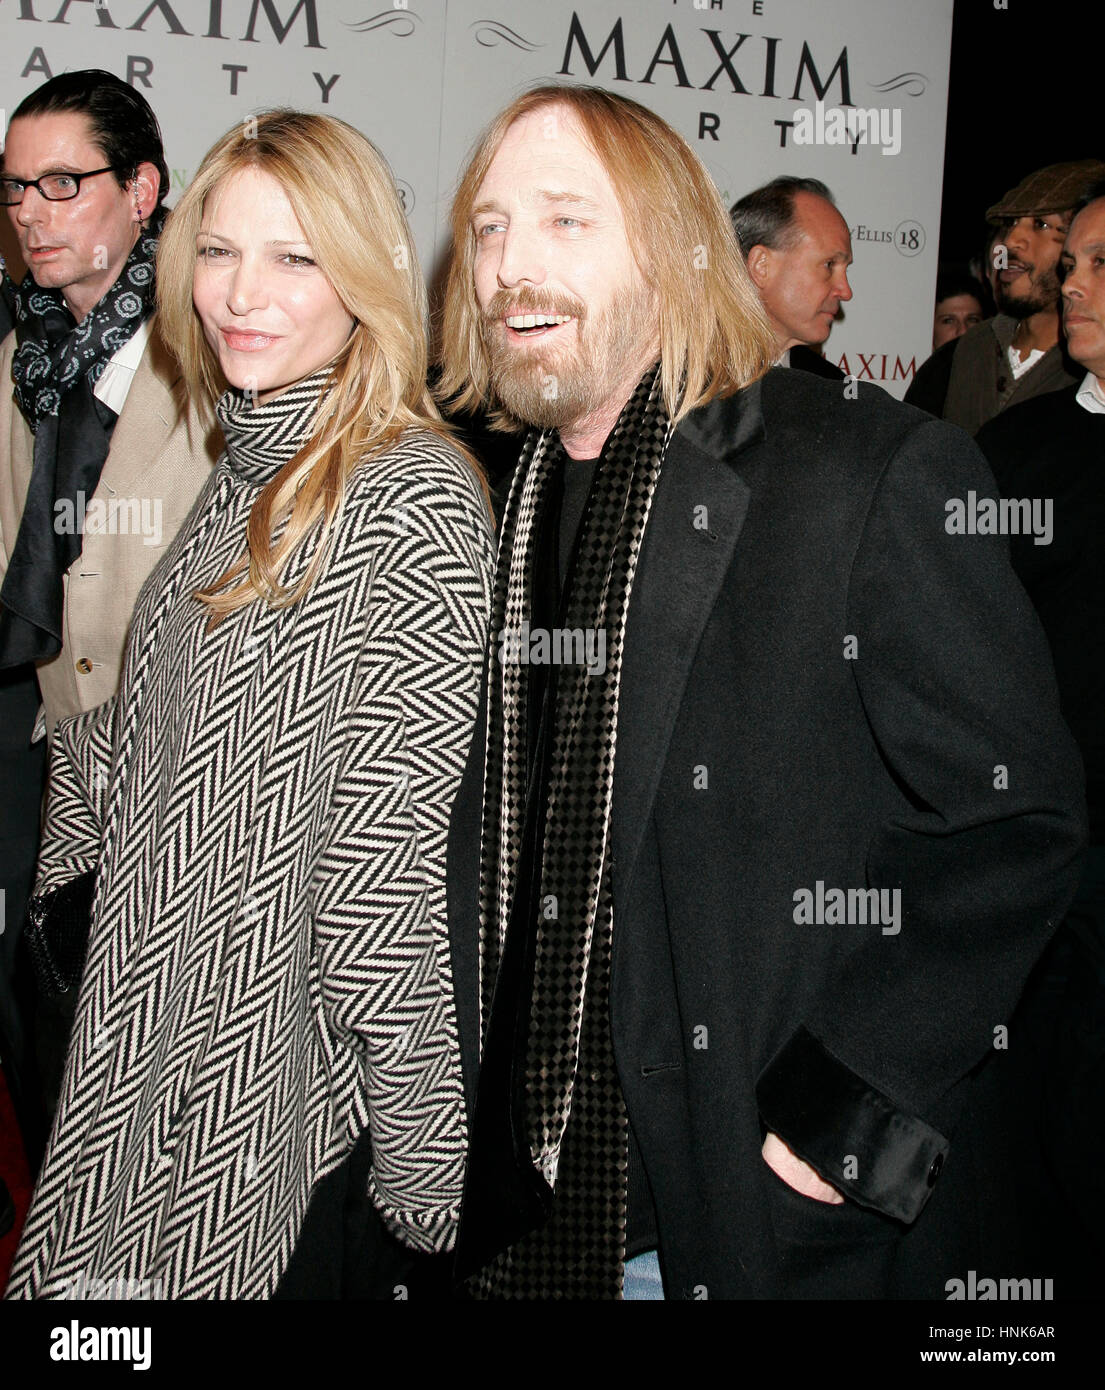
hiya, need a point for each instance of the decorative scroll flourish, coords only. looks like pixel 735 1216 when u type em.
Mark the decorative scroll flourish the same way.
pixel 491 32
pixel 914 84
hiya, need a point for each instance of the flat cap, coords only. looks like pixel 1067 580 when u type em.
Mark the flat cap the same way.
pixel 1051 189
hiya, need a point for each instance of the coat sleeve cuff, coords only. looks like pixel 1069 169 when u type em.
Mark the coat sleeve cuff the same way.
pixel 855 1137
pixel 431 1230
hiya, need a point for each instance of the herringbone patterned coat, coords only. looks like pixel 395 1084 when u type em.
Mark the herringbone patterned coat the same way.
pixel 267 804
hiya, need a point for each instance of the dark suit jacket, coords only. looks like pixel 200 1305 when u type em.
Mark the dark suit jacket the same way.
pixel 806 359
pixel 819 684
pixel 1052 450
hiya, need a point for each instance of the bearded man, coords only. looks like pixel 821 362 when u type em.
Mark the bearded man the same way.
pixel 773 808
pixel 1016 355
pixel 1051 451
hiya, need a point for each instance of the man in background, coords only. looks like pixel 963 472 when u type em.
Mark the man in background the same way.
pixel 1050 453
pixel 1016 355
pixel 798 249
pixel 97 425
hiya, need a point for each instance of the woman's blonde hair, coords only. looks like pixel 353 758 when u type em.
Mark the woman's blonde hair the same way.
pixel 714 335
pixel 344 196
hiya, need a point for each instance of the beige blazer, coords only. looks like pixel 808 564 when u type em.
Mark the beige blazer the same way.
pixel 161 455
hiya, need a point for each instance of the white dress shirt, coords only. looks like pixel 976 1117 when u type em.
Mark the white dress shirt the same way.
pixel 115 381
pixel 1019 367
pixel 1090 396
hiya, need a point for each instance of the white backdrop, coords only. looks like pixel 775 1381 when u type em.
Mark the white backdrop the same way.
pixel 421 78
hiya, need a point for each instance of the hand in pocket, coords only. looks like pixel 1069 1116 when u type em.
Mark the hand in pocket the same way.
pixel 796 1173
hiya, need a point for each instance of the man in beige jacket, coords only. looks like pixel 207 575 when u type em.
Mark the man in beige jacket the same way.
pixel 101 455
pixel 84 250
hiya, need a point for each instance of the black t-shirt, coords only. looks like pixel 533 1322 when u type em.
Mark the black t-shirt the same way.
pixel 577 477
pixel 576 487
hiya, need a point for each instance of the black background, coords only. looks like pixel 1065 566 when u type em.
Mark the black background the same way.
pixel 1025 90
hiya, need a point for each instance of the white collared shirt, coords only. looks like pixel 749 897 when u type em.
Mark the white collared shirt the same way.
pixel 1019 367
pixel 115 382
pixel 1090 396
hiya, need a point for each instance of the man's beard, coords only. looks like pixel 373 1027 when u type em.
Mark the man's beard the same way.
pixel 1042 296
pixel 550 388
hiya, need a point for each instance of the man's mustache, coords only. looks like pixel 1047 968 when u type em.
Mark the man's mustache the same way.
pixel 526 300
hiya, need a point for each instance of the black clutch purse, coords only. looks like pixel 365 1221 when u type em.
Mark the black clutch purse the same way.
pixel 57 934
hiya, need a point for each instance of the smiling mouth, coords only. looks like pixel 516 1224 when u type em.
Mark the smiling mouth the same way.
pixel 535 325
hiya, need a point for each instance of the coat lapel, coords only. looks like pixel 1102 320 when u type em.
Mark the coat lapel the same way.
pixel 686 554
pixel 147 420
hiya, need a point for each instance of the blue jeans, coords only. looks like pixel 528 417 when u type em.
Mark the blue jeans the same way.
pixel 642 1280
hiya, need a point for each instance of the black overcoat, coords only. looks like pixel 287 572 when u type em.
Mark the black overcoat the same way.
pixel 820 684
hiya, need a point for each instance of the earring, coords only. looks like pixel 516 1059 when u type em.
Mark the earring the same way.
pixel 137 204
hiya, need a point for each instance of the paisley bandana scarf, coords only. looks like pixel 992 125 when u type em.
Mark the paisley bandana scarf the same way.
pixel 56 364
pixel 550 1138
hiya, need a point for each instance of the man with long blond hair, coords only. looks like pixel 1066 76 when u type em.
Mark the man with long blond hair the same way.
pixel 773 805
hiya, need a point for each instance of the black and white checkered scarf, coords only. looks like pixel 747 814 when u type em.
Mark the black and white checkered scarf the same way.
pixel 567 920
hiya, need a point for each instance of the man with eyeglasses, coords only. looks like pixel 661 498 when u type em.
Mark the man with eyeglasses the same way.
pixel 101 455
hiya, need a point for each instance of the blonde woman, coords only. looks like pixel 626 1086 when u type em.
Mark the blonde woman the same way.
pixel 265 802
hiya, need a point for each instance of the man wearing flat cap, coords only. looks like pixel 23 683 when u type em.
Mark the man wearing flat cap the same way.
pixel 1050 451
pixel 1016 355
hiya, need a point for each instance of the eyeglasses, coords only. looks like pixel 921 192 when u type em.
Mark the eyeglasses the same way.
pixel 55 188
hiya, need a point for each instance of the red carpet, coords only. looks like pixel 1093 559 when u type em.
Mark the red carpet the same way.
pixel 14 1171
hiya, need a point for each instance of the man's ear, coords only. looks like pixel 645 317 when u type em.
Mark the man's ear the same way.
pixel 759 265
pixel 144 188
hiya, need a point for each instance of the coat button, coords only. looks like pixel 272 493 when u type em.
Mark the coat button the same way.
pixel 934 1169
pixel 84 666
